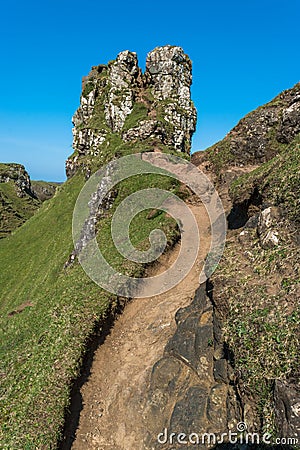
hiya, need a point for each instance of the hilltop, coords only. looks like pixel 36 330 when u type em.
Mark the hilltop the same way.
pixel 19 196
pixel 256 286
pixel 259 136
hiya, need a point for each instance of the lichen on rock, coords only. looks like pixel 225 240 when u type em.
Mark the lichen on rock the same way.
pixel 120 104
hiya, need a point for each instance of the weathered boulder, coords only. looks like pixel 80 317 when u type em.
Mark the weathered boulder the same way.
pixel 267 227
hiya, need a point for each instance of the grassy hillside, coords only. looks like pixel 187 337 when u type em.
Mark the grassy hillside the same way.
pixel 259 136
pixel 19 198
pixel 14 210
pixel 48 312
pixel 259 286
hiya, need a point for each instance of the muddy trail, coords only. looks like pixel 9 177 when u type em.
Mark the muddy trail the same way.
pixel 114 396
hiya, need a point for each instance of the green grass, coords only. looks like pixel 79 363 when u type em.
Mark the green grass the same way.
pixel 260 287
pixel 220 155
pixel 278 181
pixel 139 112
pixel 43 345
pixel 14 210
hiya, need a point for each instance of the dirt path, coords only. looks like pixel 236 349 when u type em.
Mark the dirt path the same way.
pixel 113 397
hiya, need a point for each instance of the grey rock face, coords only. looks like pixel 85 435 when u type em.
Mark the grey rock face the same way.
pixel 113 86
pixel 17 174
pixel 287 407
pixel 267 227
pixel 157 104
pixel 263 133
pixel 122 74
pixel 189 388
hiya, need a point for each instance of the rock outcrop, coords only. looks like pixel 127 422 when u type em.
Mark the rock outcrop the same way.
pixel 17 201
pixel 19 196
pixel 260 135
pixel 17 174
pixel 190 391
pixel 120 106
pixel 256 285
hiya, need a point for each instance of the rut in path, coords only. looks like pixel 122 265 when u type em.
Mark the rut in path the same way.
pixel 114 395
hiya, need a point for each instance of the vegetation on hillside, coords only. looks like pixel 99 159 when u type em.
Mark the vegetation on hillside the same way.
pixel 258 137
pixel 276 182
pixel 48 313
pixel 14 210
pixel 260 286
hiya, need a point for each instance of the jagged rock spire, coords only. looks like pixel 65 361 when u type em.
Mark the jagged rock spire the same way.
pixel 118 103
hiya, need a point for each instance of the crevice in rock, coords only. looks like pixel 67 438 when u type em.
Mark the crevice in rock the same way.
pixel 241 212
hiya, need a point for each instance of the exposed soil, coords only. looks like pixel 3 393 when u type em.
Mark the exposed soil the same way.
pixel 114 395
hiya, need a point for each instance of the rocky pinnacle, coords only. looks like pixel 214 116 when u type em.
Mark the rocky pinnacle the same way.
pixel 121 106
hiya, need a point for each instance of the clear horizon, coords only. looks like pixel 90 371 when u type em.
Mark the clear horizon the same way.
pixel 243 55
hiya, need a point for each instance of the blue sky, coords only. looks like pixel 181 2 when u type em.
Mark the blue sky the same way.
pixel 243 54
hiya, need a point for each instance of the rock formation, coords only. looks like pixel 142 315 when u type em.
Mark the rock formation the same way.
pixel 256 284
pixel 17 174
pixel 121 106
pixel 190 389
pixel 201 383
pixel 19 196
pixel 17 201
pixel 43 190
pixel 261 134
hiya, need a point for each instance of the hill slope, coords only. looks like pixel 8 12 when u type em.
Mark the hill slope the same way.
pixel 50 309
pixel 256 286
pixel 17 201
pixel 260 135
pixel 19 196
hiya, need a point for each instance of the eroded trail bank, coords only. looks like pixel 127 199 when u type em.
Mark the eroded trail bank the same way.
pixel 148 363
